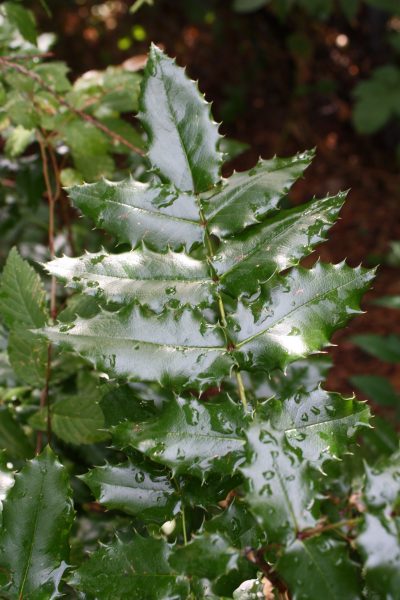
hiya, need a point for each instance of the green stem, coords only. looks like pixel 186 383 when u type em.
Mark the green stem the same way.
pixel 222 313
pixel 185 539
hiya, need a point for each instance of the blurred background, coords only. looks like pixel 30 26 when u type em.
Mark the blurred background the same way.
pixel 283 76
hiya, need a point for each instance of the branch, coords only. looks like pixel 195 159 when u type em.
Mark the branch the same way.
pixel 80 113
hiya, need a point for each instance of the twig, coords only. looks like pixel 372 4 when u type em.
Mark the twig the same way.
pixel 44 397
pixel 307 533
pixel 29 56
pixel 86 117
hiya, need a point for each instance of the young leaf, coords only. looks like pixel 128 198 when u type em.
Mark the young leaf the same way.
pixel 320 567
pixel 135 489
pixel 182 138
pixel 37 517
pixel 189 436
pixel 138 570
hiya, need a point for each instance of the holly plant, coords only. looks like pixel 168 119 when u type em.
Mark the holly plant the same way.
pixel 181 388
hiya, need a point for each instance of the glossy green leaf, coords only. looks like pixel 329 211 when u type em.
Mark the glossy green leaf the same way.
pixel 179 349
pixel 320 567
pixel 138 570
pixel 182 138
pixel 138 490
pixel 37 516
pixel 377 388
pixel 379 537
pixel 284 451
pixel 149 277
pixel 280 487
pixel 134 212
pixel 208 555
pixel 385 348
pixel 189 436
pixel 238 525
pixel 253 256
pixel 296 315
pixel 247 198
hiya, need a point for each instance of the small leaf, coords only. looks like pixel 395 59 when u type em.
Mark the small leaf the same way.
pixel 182 137
pixel 13 439
pixel 137 490
pixel 247 198
pixel 134 212
pixel 189 436
pixel 18 141
pixel 320 567
pixel 138 570
pixel 37 517
pixel 28 356
pixel 22 298
pixel 388 302
pixel 385 348
pixel 23 20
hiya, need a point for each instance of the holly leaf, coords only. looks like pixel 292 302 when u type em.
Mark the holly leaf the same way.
pixel 247 198
pixel 189 436
pixel 379 535
pixel 151 278
pixel 37 517
pixel 182 138
pixel 320 567
pixel 134 212
pixel 138 490
pixel 138 569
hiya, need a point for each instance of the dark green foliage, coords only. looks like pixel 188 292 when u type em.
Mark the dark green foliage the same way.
pixel 218 462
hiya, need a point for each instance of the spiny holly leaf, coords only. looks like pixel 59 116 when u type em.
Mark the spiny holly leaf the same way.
pixel 139 490
pixel 189 436
pixel 151 278
pixel 254 255
pixel 208 555
pixel 22 298
pixel 320 567
pixel 37 517
pixel 138 570
pixel 284 450
pixel 320 424
pixel 173 348
pixel 246 198
pixel 238 525
pixel 182 138
pixel 294 315
pixel 379 537
pixel 134 212
pixel 280 486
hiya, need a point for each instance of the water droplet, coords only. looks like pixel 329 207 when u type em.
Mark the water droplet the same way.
pixel 139 477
